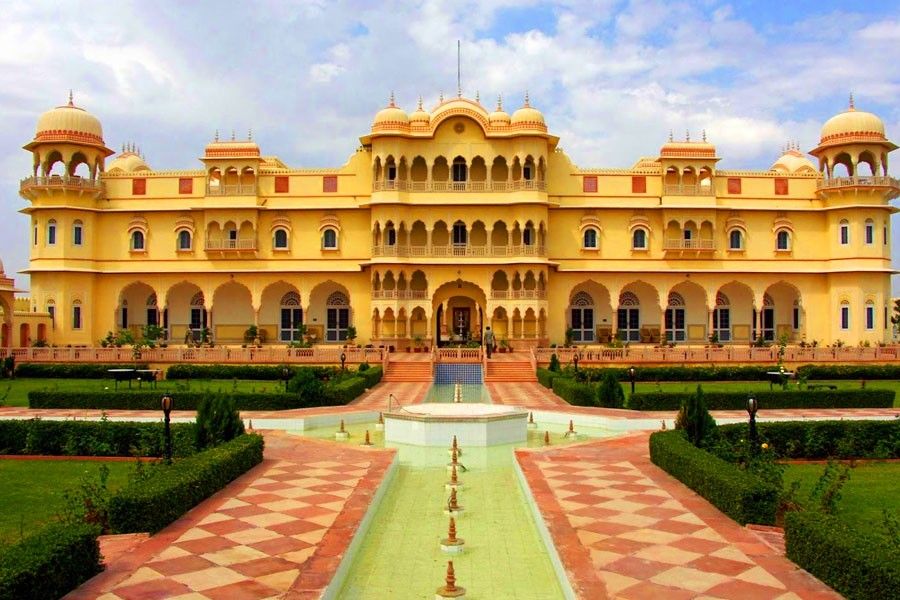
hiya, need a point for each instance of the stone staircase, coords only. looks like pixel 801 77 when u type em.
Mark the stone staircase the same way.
pixel 508 370
pixel 408 371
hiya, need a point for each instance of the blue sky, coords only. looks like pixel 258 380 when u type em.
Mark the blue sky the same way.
pixel 612 77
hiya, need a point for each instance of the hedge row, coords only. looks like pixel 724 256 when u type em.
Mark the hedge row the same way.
pixel 863 371
pixel 576 394
pixel 745 373
pixel 739 494
pixel 70 370
pixel 824 439
pixel 171 490
pixel 92 438
pixel 856 564
pixel 545 377
pixel 867 398
pixel 252 372
pixel 50 563
pixel 150 400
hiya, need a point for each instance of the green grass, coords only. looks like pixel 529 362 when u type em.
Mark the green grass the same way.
pixel 15 392
pixel 31 491
pixel 747 386
pixel 871 488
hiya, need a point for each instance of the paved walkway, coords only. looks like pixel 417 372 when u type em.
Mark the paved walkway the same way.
pixel 280 530
pixel 625 529
pixel 526 394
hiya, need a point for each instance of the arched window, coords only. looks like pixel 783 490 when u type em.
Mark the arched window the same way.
pixel 184 240
pixel 639 239
pixel 137 241
pixel 390 235
pixel 460 171
pixel 51 232
pixel 722 318
pixel 337 317
pixel 844 232
pixel 675 318
pixel 329 239
pixel 628 317
pixel 783 240
pixel 460 235
pixel 870 232
pixel 735 240
pixel 51 310
pixel 77 233
pixel 280 239
pixel 581 311
pixel 845 315
pixel 870 315
pixel 528 234
pixel 291 318
pixel 76 314
pixel 590 239
pixel 152 311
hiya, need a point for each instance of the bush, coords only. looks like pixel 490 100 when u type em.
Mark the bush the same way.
pixel 50 563
pixel 739 494
pixel 307 385
pixel 856 564
pixel 251 372
pixel 218 421
pixel 70 370
pixel 342 392
pixel 577 394
pixel 150 400
pixel 372 375
pixel 863 371
pixel 554 363
pixel 868 398
pixel 92 438
pixel 545 377
pixel 169 491
pixel 610 394
pixel 746 372
pixel 823 439
pixel 694 418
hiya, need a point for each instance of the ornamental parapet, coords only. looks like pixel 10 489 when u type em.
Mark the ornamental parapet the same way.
pixel 688 190
pixel 458 250
pixel 231 190
pixel 61 182
pixel 401 185
pixel 858 181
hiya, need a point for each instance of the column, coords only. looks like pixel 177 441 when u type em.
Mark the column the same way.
pixel 711 329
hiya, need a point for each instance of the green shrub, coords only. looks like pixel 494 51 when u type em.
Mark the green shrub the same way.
pixel 868 398
pixel 575 393
pixel 372 375
pixel 823 439
pixel 307 385
pixel 50 563
pixel 744 372
pixel 249 372
pixel 150 400
pixel 218 421
pixel 169 491
pixel 92 438
pixel 71 370
pixel 739 494
pixel 545 377
pixel 856 371
pixel 342 392
pixel 610 393
pixel 694 418
pixel 554 363
pixel 857 564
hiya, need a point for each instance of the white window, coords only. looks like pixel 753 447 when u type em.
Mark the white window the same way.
pixel 137 241
pixel 845 315
pixel 78 233
pixel 51 233
pixel 870 232
pixel 783 240
pixel 280 239
pixel 184 240
pixel 329 239
pixel 735 240
pixel 844 233
pixel 870 315
pixel 639 239
pixel 590 239
pixel 76 314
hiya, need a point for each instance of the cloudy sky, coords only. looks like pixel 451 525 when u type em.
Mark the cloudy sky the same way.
pixel 612 77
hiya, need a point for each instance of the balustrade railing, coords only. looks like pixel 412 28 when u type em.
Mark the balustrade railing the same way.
pixel 241 244
pixel 693 244
pixel 464 355
pixel 690 354
pixel 459 250
pixel 688 190
pixel 402 185
pixel 399 294
pixel 246 189
pixel 858 180
pixel 62 182
pixel 518 294
pixel 222 354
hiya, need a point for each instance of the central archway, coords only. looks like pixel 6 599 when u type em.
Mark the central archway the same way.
pixel 458 307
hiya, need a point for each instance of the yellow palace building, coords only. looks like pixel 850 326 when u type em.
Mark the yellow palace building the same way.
pixel 444 222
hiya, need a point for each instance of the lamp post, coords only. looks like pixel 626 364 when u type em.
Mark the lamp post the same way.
pixel 575 361
pixel 285 375
pixel 752 407
pixel 167 404
pixel 343 360
pixel 631 373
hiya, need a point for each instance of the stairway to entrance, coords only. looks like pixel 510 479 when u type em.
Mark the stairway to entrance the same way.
pixel 508 370
pixel 401 370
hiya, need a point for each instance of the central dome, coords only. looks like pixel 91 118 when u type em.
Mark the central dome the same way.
pixel 69 123
pixel 853 123
pixel 528 115
pixel 390 116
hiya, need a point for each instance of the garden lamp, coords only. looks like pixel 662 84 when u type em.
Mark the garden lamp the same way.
pixel 752 407
pixel 285 375
pixel 631 373
pixel 167 404
pixel 343 360
pixel 575 360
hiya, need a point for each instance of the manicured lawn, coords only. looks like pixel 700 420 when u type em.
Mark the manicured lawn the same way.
pixel 15 392
pixel 871 488
pixel 747 386
pixel 31 491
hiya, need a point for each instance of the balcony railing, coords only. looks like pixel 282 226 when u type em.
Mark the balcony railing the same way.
pixel 248 189
pixel 61 182
pixel 861 181
pixel 698 244
pixel 402 185
pixel 231 245
pixel 688 190
pixel 220 354
pixel 737 353
pixel 459 250
pixel 518 294
pixel 399 294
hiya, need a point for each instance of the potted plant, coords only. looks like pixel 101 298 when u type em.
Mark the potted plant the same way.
pixel 417 342
pixel 351 336
pixel 570 337
pixel 504 345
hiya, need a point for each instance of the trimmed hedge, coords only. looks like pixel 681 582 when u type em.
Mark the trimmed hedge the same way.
pixel 50 563
pixel 824 439
pixel 747 372
pixel 92 438
pixel 150 400
pixel 545 377
pixel 252 372
pixel 856 564
pixel 372 375
pixel 869 398
pixel 577 394
pixel 863 371
pixel 171 490
pixel 739 494
pixel 71 370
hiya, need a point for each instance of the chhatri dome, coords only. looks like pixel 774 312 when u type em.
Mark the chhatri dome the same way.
pixel 69 123
pixel 852 126
pixel 420 117
pixel 390 116
pixel 528 116
pixel 499 118
pixel 793 161
pixel 129 160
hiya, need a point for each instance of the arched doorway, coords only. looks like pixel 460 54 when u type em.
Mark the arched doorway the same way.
pixel 459 310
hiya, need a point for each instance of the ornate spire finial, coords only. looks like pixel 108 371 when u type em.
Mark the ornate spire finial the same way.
pixel 527 99
pixel 217 135
pixel 391 102
pixel 852 104
pixel 250 135
pixel 123 147
pixel 687 135
pixel 441 97
pixel 477 96
pixel 671 136
pixel 499 102
pixel 420 103
pixel 232 135
pixel 704 135
pixel 71 101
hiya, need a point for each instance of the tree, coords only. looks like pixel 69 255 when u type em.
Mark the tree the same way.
pixel 611 394
pixel 218 421
pixel 896 318
pixel 554 362
pixel 694 418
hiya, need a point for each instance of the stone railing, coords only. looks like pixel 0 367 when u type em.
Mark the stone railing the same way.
pixel 247 189
pixel 459 250
pixel 682 189
pixel 61 182
pixel 457 355
pixel 399 294
pixel 687 354
pixel 224 245
pixel 693 244
pixel 858 180
pixel 518 294
pixel 222 354
pixel 402 185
